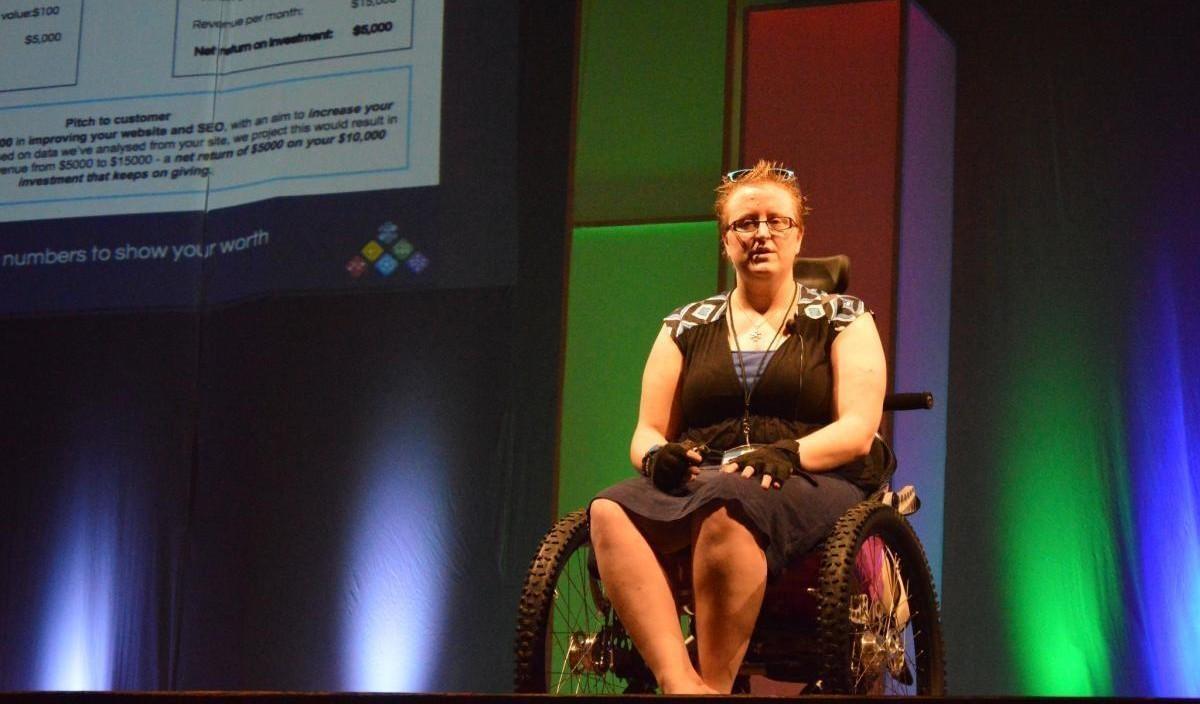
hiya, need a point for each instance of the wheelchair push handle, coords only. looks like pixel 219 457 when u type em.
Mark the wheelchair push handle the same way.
pixel 916 401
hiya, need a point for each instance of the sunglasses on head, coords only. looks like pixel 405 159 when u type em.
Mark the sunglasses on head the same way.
pixel 785 174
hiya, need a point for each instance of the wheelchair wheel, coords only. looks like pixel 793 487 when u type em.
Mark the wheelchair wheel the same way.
pixel 568 638
pixel 878 625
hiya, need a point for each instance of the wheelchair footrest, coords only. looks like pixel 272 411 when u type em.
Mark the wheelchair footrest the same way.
pixel 905 501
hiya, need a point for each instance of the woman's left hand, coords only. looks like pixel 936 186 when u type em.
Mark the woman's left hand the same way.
pixel 774 463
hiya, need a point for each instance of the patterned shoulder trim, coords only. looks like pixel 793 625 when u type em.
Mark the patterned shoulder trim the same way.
pixel 686 317
pixel 839 309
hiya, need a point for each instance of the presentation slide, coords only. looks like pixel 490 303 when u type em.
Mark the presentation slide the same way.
pixel 164 132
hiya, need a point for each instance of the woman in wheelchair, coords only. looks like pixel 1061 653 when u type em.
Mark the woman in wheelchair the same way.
pixel 758 411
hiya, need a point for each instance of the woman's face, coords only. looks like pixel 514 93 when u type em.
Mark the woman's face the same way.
pixel 762 253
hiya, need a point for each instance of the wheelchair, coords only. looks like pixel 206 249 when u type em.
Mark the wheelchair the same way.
pixel 858 614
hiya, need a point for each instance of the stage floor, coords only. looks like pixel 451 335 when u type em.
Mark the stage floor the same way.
pixel 361 698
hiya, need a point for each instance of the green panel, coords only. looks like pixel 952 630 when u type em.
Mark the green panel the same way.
pixel 649 135
pixel 623 281
pixel 1060 506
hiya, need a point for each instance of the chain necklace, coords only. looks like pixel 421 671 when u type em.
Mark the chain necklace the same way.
pixel 747 389
pixel 756 333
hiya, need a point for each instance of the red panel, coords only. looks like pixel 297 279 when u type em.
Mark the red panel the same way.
pixel 821 94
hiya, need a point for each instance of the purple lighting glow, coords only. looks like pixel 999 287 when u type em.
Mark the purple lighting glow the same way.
pixel 1166 479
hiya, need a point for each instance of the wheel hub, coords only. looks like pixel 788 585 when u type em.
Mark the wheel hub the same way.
pixel 880 643
pixel 587 653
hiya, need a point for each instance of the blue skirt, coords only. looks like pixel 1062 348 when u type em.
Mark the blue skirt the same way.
pixel 788 521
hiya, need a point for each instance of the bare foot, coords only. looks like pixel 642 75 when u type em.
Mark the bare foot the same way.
pixel 687 687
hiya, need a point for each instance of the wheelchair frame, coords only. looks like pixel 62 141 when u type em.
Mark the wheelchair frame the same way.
pixel 830 620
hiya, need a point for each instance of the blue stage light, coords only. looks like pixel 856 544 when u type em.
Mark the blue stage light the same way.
pixel 75 651
pixel 1165 457
pixel 395 591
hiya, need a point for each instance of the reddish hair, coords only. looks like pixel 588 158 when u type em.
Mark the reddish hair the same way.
pixel 762 172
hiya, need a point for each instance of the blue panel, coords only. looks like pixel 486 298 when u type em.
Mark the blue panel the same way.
pixel 922 357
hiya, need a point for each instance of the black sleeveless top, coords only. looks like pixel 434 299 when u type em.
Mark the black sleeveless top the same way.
pixel 794 396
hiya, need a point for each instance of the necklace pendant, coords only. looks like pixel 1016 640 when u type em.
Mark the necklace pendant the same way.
pixel 755 335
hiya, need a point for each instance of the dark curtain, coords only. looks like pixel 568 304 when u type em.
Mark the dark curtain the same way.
pixel 1075 263
pixel 96 426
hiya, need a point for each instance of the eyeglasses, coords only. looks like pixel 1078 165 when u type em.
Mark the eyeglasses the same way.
pixel 785 174
pixel 749 226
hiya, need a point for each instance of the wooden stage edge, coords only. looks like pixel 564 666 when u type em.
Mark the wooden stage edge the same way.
pixel 364 698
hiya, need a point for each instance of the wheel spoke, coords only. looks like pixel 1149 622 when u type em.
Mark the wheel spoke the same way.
pixel 576 624
pixel 882 648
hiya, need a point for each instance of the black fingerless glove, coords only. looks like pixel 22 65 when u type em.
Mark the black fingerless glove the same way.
pixel 669 466
pixel 779 459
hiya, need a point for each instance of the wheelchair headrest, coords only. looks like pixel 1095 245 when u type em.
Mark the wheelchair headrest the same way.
pixel 829 274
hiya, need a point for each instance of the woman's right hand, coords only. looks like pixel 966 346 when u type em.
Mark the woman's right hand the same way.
pixel 673 464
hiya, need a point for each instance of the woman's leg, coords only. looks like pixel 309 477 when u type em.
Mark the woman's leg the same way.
pixel 729 577
pixel 640 591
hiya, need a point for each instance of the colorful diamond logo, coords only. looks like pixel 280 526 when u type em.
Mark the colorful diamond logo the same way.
pixel 372 250
pixel 417 262
pixel 387 264
pixel 356 266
